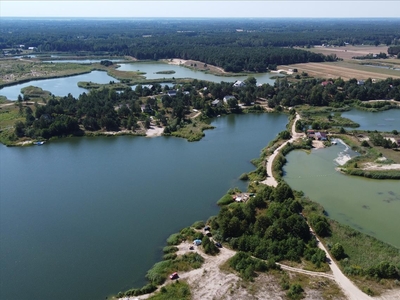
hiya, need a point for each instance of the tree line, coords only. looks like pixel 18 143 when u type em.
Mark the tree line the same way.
pixel 107 109
pixel 234 45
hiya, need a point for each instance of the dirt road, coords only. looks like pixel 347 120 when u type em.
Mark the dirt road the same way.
pixel 270 179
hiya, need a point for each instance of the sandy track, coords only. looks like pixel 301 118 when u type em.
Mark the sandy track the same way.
pixel 348 287
pixel 271 181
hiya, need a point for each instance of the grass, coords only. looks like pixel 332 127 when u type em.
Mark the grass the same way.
pixel 369 155
pixel 161 270
pixel 17 71
pixel 192 131
pixel 362 250
pixel 177 290
pixel 9 115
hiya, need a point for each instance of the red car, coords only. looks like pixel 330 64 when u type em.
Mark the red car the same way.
pixel 174 276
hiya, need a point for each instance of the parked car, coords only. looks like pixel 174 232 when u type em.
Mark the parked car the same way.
pixel 174 276
pixel 218 244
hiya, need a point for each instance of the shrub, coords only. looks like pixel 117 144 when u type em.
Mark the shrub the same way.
pixel 170 256
pixel 208 246
pixel 170 249
pixel 198 224
pixel 338 251
pixel 244 176
pixel 295 291
pixel 225 200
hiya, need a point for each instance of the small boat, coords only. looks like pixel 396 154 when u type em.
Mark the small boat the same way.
pixel 38 143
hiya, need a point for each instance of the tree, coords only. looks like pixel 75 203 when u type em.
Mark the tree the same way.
pixel 338 251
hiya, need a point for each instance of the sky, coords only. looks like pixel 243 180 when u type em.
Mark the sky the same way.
pixel 189 9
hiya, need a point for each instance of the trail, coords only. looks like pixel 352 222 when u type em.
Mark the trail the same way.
pixel 295 136
pixel 348 287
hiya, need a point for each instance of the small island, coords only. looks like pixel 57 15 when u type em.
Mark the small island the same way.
pixel 166 72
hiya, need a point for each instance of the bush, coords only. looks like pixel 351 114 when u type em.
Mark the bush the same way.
pixel 244 176
pixel 295 291
pixel 198 224
pixel 225 200
pixel 174 239
pixel 338 251
pixel 208 246
pixel 170 256
pixel 170 249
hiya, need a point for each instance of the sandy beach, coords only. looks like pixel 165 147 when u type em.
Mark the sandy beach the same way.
pixel 154 131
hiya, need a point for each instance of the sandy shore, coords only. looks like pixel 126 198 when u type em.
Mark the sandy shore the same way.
pixel 318 144
pixel 154 131
pixel 201 66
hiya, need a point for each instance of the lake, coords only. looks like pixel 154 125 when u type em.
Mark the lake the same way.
pixel 63 86
pixel 81 61
pixel 370 206
pixel 387 120
pixel 151 70
pixel 59 86
pixel 83 218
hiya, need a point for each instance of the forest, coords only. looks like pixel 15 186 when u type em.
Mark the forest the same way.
pixel 232 44
pixel 108 110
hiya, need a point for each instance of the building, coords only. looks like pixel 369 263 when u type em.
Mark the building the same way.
pixel 171 93
pixel 228 97
pixel 239 84
pixel 216 103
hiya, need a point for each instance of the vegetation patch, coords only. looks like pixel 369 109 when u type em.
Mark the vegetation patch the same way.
pixel 177 290
pixel 166 72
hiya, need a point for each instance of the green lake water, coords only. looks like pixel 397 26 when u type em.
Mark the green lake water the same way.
pixel 85 218
pixel 370 206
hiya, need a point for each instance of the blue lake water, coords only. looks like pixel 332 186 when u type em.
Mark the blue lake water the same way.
pixel 83 218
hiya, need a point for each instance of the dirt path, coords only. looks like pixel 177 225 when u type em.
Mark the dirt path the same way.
pixel 270 179
pixel 310 273
pixel 348 287
pixel 196 115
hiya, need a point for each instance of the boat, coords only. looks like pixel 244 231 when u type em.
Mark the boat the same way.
pixel 38 143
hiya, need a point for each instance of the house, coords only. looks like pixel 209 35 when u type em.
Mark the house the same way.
pixel 321 136
pixel 31 48
pixel 216 103
pixel 146 108
pixel 239 84
pixel 228 97
pixel 171 93
pixel 398 143
pixel 326 82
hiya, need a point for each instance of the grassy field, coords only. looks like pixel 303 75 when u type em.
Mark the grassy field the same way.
pixel 9 114
pixel 15 71
pixel 361 252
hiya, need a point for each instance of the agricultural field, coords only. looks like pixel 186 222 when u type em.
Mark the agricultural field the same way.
pixel 345 70
pixel 348 52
